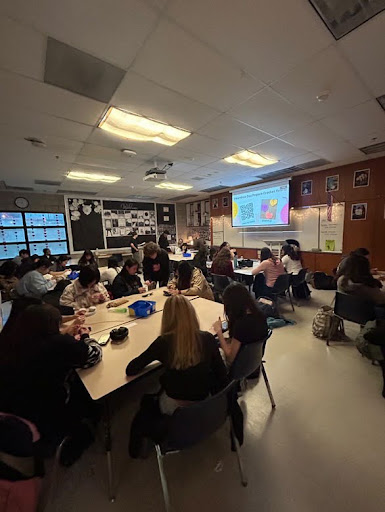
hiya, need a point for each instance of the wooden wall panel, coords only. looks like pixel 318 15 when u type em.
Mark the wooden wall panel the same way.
pixel 222 209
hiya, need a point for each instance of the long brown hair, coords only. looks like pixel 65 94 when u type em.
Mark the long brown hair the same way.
pixel 222 258
pixel 180 322
pixel 266 254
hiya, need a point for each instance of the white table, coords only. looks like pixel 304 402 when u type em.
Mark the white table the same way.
pixel 105 318
pixel 245 274
pixel 110 374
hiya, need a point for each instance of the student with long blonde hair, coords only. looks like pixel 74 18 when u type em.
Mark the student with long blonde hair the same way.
pixel 193 365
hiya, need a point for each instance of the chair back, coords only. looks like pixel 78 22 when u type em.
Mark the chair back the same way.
pixel 248 359
pixel 220 282
pixel 300 278
pixel 194 423
pixel 353 308
pixel 281 284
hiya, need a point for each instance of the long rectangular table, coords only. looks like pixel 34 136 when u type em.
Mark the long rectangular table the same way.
pixel 107 318
pixel 109 375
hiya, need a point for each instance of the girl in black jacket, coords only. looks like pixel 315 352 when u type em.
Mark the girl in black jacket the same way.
pixel 127 282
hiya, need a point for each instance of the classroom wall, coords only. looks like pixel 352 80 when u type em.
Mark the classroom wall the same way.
pixel 50 203
pixel 368 233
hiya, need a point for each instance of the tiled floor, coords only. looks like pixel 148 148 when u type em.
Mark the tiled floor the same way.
pixel 322 449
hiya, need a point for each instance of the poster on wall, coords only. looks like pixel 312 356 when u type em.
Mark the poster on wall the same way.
pixel 165 217
pixel 85 222
pixel 331 232
pixel 121 218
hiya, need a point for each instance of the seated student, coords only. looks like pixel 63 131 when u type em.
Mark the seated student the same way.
pixel 156 264
pixel 24 254
pixel 127 282
pixel 26 265
pixel 271 267
pixel 8 279
pixel 200 259
pixel 47 254
pixel 358 280
pixel 163 241
pixel 33 284
pixel 361 251
pixel 223 264
pixel 190 281
pixel 61 263
pixel 87 259
pixel 246 323
pixel 85 291
pixel 184 247
pixel 35 362
pixel 112 271
pixel 213 252
pixel 291 259
pixel 193 365
pixel 224 244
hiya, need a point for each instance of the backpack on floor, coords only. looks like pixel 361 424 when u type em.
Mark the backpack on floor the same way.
pixel 267 306
pixel 326 325
pixel 364 346
pixel 322 281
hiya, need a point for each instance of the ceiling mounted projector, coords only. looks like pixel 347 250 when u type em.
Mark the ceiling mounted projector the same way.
pixel 157 174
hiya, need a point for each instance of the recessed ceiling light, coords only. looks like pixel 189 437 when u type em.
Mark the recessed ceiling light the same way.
pixel 135 127
pixel 250 159
pixel 92 176
pixel 173 186
pixel 129 152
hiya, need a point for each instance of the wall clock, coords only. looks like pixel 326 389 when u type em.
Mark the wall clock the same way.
pixel 21 202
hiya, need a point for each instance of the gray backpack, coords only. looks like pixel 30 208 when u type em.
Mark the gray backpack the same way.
pixel 326 325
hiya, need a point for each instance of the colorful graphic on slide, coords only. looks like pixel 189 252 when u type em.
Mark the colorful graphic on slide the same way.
pixel 267 206
pixel 269 209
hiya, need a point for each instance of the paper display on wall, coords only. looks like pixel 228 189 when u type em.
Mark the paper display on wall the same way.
pixel 331 232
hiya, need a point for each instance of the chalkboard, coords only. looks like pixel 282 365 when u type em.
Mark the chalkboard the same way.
pixel 85 222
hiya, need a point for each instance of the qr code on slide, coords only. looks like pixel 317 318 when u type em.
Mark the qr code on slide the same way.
pixel 247 212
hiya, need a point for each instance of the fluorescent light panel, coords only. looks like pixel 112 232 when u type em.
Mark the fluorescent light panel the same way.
pixel 250 159
pixel 135 127
pixel 92 176
pixel 173 186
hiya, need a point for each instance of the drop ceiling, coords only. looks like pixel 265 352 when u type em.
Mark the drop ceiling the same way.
pixel 239 76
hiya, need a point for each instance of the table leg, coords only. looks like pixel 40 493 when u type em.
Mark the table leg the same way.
pixel 108 446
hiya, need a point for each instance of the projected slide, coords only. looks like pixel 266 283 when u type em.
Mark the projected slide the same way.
pixel 261 206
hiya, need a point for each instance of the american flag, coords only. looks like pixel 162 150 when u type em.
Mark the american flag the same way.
pixel 330 207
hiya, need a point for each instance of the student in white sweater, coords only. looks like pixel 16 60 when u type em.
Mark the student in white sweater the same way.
pixel 291 259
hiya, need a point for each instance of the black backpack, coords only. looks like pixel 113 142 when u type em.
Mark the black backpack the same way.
pixel 322 281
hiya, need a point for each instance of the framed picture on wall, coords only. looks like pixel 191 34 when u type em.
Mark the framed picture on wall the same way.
pixel 361 178
pixel 306 188
pixel 215 203
pixel 332 183
pixel 225 202
pixel 359 211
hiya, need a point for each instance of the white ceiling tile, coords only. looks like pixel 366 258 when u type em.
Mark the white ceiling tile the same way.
pixel 271 113
pixel 265 38
pixel 28 123
pixel 365 49
pixel 231 130
pixel 312 137
pixel 277 149
pixel 177 60
pixel 102 156
pixel 208 146
pixel 326 71
pixel 301 159
pixel 368 140
pixel 340 151
pixel 177 154
pixel 363 119
pixel 102 138
pixel 30 94
pixel 113 31
pixel 142 96
pixel 22 49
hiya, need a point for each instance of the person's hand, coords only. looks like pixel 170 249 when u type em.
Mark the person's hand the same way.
pixel 374 271
pixel 217 326
pixel 83 330
pixel 142 290
pixel 81 312
pixel 147 282
pixel 71 329
pixel 173 292
pixel 79 320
